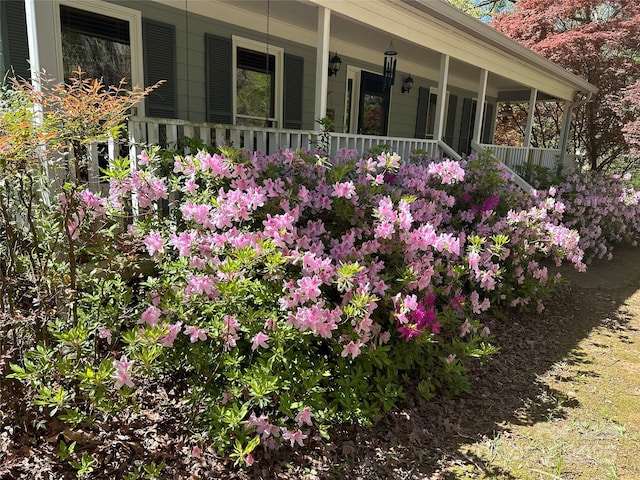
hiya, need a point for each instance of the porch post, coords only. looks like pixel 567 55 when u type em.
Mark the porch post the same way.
pixel 564 135
pixel 41 36
pixel 441 101
pixel 482 95
pixel 322 62
pixel 43 56
pixel 532 109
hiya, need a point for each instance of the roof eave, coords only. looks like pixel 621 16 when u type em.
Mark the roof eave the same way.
pixel 485 33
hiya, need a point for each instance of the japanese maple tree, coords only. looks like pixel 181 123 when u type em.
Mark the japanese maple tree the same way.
pixel 482 9
pixel 595 39
pixel 630 106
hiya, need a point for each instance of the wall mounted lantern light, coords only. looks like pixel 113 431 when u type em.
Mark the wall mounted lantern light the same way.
pixel 335 63
pixel 407 84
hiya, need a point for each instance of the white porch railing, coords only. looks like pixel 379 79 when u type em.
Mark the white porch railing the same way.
pixel 169 132
pixel 514 157
pixel 402 146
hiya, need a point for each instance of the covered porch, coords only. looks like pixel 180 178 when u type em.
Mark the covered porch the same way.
pixel 170 134
pixel 412 74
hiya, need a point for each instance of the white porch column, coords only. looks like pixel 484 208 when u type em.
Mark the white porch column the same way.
pixel 441 101
pixel 322 62
pixel 482 95
pixel 532 110
pixel 43 55
pixel 567 161
pixel 41 35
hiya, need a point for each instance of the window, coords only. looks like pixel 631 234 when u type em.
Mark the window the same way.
pixel 373 117
pixel 104 39
pixel 98 44
pixel 255 77
pixel 428 110
pixel 258 83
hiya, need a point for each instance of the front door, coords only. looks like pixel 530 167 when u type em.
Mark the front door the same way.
pixel 373 112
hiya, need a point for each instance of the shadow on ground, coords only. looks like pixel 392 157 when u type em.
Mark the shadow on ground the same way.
pixel 426 440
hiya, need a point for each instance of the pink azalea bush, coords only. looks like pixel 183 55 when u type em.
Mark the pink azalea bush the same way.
pixel 603 209
pixel 280 295
pixel 291 295
pixel 263 299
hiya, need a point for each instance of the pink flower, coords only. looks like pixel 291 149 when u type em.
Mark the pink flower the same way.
pixel 195 452
pixel 154 243
pixel 435 328
pixel 249 460
pixel 309 287
pixel 385 210
pixel 226 398
pixel 182 242
pixel 73 228
pixel 195 333
pixel 190 186
pixel 150 316
pixel 490 203
pixel 465 328
pixel 259 340
pixel 123 363
pixel 170 337
pixel 304 417
pixel 105 333
pixel 352 349
pixel 385 230
pixel 457 302
pixel 384 337
pixel 143 158
pixel 411 302
pixel 450 358
pixel 344 190
pixel 294 437
pixel 93 202
pixel 408 332
pixel 122 375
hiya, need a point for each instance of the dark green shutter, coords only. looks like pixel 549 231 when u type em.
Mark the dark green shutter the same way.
pixel 160 64
pixel 293 80
pixel 421 115
pixel 451 119
pixel 466 126
pixel 15 44
pixel 218 62
pixel 488 120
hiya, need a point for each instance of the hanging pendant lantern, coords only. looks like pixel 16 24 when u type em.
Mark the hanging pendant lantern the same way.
pixel 390 61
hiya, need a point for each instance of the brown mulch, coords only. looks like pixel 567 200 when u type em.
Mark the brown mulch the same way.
pixel 422 440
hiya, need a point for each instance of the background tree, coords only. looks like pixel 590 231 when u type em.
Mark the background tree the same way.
pixel 547 120
pixel 597 40
pixel 482 9
pixel 630 106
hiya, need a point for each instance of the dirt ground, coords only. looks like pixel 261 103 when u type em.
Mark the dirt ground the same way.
pixel 562 400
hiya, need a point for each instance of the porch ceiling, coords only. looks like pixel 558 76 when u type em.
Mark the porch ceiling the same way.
pixel 420 30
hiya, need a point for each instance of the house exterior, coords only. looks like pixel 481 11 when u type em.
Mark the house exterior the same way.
pixel 259 73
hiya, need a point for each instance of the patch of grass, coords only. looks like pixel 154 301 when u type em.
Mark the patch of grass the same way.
pixel 592 431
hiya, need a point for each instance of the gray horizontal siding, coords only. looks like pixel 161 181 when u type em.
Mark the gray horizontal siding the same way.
pixel 191 60
pixel 191 95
